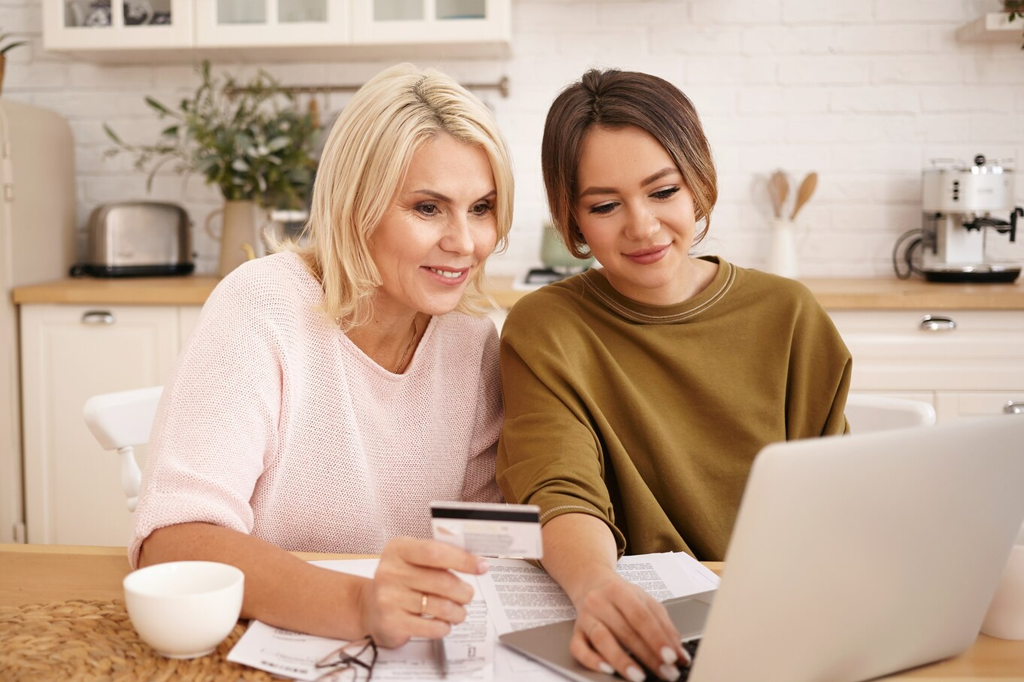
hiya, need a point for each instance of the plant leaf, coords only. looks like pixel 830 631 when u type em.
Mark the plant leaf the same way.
pixel 279 143
pixel 112 135
pixel 12 46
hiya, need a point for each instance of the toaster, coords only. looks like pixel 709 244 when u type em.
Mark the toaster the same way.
pixel 138 239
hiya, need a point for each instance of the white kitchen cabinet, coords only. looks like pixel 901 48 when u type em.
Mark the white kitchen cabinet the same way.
pixel 269 23
pixel 268 29
pixel 126 24
pixel 964 362
pixel 69 353
pixel 376 22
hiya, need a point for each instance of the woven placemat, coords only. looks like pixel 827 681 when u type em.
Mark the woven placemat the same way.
pixel 86 641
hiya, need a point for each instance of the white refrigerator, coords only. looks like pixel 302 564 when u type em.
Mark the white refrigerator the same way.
pixel 37 244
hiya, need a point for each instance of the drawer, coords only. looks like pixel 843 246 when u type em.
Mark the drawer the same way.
pixel 954 406
pixel 934 350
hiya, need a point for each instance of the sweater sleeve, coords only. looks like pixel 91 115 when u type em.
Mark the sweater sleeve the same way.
pixel 819 376
pixel 479 484
pixel 216 424
pixel 549 453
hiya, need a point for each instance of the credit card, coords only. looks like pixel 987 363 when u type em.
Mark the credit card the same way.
pixel 502 531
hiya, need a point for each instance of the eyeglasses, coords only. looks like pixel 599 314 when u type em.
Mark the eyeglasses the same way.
pixel 351 663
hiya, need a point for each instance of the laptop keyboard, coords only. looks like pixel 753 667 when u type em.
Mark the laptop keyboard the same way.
pixel 684 671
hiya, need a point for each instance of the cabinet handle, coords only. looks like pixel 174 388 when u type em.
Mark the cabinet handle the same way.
pixel 1014 407
pixel 98 317
pixel 937 323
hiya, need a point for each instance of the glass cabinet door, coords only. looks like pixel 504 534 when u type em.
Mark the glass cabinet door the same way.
pixel 260 23
pixel 116 24
pixel 417 10
pixel 87 14
pixel 299 11
pixel 101 14
pixel 255 12
pixel 453 10
pixel 147 13
pixel 398 10
pixel 241 12
pixel 430 21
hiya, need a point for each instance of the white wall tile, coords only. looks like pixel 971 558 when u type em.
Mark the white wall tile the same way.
pixel 816 12
pixel 923 11
pixel 706 12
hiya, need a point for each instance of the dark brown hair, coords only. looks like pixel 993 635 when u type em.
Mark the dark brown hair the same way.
pixel 615 99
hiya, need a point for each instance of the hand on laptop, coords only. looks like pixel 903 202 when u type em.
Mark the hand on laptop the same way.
pixel 614 619
pixel 414 580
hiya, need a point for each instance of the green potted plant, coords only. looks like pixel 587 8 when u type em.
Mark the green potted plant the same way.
pixel 1016 10
pixel 248 140
pixel 6 45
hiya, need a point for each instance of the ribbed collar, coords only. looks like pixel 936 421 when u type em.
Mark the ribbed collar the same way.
pixel 597 286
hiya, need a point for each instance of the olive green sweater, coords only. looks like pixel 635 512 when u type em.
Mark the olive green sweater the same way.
pixel 649 416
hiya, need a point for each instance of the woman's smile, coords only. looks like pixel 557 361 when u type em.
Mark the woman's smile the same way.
pixel 648 255
pixel 447 276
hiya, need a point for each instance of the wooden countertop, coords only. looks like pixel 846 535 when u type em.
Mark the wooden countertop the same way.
pixel 41 573
pixel 833 294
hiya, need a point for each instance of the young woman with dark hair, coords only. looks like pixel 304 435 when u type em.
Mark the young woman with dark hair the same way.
pixel 636 395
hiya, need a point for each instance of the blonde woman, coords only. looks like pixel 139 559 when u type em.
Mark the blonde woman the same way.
pixel 328 394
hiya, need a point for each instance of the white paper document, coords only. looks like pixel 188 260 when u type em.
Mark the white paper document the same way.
pixel 520 596
pixel 512 595
pixel 469 647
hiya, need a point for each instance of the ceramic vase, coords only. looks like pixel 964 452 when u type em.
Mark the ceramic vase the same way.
pixel 240 237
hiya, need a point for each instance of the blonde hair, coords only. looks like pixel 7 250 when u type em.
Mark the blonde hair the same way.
pixel 363 166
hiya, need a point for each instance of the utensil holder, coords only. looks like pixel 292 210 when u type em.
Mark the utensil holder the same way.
pixel 782 256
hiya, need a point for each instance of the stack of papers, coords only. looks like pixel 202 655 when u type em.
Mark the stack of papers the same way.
pixel 512 595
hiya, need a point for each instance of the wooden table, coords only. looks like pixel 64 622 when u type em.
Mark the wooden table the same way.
pixel 41 573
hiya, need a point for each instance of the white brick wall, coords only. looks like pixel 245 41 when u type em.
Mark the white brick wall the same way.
pixel 862 91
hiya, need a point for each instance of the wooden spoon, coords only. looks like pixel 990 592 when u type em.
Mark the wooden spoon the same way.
pixel 803 194
pixel 779 186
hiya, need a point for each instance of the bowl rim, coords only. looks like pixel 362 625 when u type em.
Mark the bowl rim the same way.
pixel 131 586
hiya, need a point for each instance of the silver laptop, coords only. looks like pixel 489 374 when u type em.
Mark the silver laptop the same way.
pixel 852 557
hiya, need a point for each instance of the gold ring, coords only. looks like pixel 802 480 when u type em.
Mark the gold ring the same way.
pixel 423 604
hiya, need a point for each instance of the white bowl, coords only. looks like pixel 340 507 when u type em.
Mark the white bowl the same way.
pixel 184 609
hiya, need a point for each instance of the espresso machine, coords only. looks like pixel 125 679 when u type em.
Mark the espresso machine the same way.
pixel 963 204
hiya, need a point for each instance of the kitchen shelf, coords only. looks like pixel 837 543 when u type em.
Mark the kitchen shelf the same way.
pixel 992 27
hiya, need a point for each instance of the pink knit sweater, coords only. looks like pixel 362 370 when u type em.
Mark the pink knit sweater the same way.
pixel 274 423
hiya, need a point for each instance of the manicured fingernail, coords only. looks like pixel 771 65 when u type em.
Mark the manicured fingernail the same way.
pixel 482 567
pixel 606 669
pixel 635 674
pixel 668 655
pixel 687 658
pixel 669 672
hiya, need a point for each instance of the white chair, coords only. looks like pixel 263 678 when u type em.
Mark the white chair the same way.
pixel 879 413
pixel 120 421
